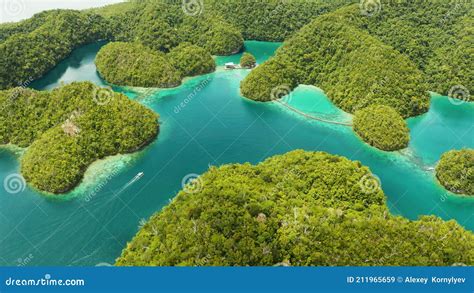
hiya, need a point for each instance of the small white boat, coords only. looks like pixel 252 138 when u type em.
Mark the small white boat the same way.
pixel 138 176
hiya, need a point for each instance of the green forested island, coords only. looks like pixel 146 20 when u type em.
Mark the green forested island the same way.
pixel 247 60
pixel 30 48
pixel 455 171
pixel 191 60
pixel 130 64
pixel 382 127
pixel 361 61
pixel 221 27
pixel 368 73
pixel 69 128
pixel 452 63
pixel 133 64
pixel 298 209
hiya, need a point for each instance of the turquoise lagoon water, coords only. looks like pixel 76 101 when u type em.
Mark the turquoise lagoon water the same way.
pixel 206 122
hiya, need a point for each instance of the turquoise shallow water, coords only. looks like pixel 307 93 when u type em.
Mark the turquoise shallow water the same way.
pixel 205 122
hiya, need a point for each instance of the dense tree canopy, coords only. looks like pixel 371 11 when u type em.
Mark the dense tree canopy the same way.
pixel 361 61
pixel 191 60
pixel 270 20
pixel 455 171
pixel 382 127
pixel 70 127
pixel 452 65
pixel 162 26
pixel 299 209
pixel 133 64
pixel 221 39
pixel 31 48
pixel 27 56
pixel 437 37
pixel 27 25
pixel 247 60
pixel 355 69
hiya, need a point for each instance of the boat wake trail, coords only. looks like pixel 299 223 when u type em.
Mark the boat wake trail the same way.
pixel 129 183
